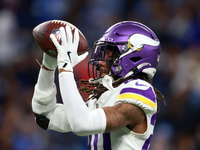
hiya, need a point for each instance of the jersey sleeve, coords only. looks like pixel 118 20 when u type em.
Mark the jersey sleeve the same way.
pixel 139 93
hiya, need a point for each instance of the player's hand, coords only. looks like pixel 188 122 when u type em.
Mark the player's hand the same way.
pixel 67 51
pixel 49 62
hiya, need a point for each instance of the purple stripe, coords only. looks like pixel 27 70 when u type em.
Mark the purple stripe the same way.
pixel 146 93
pixel 106 141
pixel 95 141
pixel 89 141
pixel 128 81
pixel 153 119
pixel 146 143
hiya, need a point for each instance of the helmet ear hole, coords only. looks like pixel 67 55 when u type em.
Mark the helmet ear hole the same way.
pixel 135 59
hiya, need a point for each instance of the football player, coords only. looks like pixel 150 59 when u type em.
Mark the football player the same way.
pixel 121 110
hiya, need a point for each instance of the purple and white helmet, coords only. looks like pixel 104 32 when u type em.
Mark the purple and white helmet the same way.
pixel 135 48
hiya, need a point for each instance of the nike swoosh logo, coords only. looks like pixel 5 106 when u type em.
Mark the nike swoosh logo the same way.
pixel 64 65
pixel 68 53
pixel 137 84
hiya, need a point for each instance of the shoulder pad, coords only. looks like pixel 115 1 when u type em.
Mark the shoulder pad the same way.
pixel 140 93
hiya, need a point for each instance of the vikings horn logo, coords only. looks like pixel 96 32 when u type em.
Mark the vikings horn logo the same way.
pixel 139 40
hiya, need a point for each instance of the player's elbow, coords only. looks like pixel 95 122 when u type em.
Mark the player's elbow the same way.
pixel 91 124
pixel 80 133
pixel 79 129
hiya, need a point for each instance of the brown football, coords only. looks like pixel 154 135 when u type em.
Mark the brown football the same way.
pixel 42 32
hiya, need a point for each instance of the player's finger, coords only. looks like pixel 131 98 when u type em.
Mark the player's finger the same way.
pixel 63 35
pixel 54 40
pixel 76 37
pixel 69 34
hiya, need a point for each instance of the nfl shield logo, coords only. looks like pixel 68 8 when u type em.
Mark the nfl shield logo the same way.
pixel 56 33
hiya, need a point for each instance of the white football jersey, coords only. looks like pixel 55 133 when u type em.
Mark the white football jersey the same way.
pixel 137 92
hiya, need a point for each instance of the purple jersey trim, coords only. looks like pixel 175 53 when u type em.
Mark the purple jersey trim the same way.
pixel 89 141
pixel 95 141
pixel 146 93
pixel 106 141
pixel 146 143
pixel 153 119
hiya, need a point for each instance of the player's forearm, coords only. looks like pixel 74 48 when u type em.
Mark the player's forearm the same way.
pixel 45 78
pixel 49 115
pixel 59 120
pixel 44 97
pixel 81 119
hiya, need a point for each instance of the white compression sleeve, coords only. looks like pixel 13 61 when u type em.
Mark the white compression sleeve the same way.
pixel 44 102
pixel 58 119
pixel 82 120
pixel 44 99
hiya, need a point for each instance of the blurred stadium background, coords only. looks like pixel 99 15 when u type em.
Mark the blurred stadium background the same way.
pixel 177 25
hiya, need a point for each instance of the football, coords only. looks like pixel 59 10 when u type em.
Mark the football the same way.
pixel 42 32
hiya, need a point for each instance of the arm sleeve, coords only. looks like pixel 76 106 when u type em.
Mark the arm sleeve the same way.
pixel 82 120
pixel 44 103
